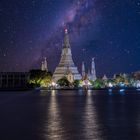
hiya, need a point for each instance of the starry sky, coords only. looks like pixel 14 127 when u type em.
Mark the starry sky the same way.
pixel 108 30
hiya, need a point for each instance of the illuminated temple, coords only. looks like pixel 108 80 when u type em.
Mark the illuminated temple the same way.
pixel 66 65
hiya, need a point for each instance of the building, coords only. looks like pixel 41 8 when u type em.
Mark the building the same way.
pixel 70 76
pixel 136 75
pixel 66 62
pixel 105 78
pixel 92 73
pixel 9 80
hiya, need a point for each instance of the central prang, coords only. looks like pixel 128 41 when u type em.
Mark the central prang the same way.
pixel 66 67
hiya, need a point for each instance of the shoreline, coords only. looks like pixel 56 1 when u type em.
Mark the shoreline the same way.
pixel 38 89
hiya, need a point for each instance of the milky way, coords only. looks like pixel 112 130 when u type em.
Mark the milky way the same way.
pixel 105 29
pixel 80 17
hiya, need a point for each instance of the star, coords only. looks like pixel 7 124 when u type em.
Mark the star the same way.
pixel 107 29
pixel 4 54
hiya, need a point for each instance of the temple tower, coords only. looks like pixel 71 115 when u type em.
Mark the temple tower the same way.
pixel 66 61
pixel 44 66
pixel 93 71
pixel 83 70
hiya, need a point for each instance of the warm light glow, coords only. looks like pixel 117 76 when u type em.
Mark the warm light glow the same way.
pixel 53 84
pixel 137 84
pixel 110 85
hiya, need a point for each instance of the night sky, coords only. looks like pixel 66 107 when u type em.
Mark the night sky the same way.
pixel 108 30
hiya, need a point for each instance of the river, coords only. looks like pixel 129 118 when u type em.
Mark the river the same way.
pixel 70 115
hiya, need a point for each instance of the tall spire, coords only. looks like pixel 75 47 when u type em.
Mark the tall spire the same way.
pixel 83 70
pixel 93 71
pixel 45 64
pixel 66 43
pixel 66 62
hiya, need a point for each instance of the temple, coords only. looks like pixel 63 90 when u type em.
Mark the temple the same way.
pixel 66 67
pixel 92 73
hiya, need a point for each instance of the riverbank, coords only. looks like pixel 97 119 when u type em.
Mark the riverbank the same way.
pixel 67 88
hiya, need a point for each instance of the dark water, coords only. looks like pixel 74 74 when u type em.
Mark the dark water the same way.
pixel 69 115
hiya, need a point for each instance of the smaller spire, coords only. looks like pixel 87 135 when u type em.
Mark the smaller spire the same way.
pixel 105 77
pixel 45 64
pixel 93 71
pixel 42 66
pixel 83 69
pixel 93 59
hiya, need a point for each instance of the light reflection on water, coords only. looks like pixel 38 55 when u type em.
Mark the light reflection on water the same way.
pixel 77 115
pixel 53 127
pixel 90 120
pixel 70 115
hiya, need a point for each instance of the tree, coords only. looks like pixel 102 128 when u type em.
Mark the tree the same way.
pixel 76 83
pixel 63 82
pixel 98 83
pixel 119 78
pixel 38 77
pixel 111 81
pixel 46 80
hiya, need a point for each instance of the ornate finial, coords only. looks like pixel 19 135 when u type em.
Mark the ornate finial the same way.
pixel 66 30
pixel 93 58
